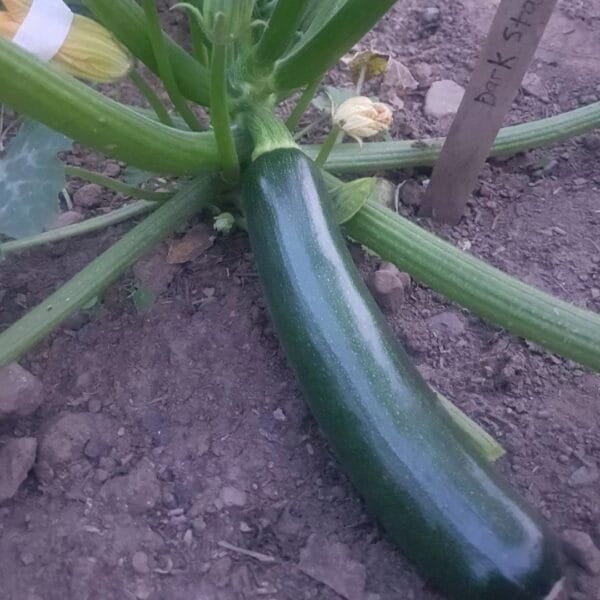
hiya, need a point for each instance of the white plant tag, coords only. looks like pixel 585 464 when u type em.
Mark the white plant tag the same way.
pixel 45 28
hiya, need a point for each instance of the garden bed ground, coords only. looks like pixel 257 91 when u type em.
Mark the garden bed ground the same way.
pixel 176 459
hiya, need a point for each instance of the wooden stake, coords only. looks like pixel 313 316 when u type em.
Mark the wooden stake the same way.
pixel 511 44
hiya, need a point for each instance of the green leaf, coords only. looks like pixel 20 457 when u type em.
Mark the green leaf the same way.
pixel 142 298
pixel 350 197
pixel 31 177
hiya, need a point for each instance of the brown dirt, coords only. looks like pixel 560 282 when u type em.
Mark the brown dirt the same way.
pixel 166 433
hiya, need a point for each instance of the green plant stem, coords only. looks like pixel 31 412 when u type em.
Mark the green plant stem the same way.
pixel 311 127
pixel 129 211
pixel 46 94
pixel 375 157
pixel 327 146
pixel 219 112
pixel 126 20
pixel 199 41
pixel 303 103
pixel 319 52
pixel 486 445
pixel 126 190
pixel 266 130
pixel 498 298
pixel 165 70
pixel 279 33
pixel 152 97
pixel 105 269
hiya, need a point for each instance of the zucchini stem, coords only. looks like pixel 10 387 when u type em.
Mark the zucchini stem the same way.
pixel 129 211
pixel 152 97
pixel 303 103
pixel 165 69
pixel 328 145
pixel 129 191
pixel 375 157
pixel 219 109
pixel 267 131
pixel 280 30
pixel 494 296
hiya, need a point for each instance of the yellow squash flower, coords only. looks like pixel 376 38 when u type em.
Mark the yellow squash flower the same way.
pixel 360 117
pixel 89 51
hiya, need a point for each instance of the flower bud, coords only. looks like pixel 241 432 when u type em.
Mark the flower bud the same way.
pixel 89 50
pixel 360 117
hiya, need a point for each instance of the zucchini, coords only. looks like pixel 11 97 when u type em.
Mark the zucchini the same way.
pixel 432 492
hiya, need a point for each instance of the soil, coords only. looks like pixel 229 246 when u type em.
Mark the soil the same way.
pixel 176 459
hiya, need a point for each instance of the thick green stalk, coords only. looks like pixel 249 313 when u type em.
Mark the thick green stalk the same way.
pixel 266 130
pixel 48 95
pixel 375 157
pixel 129 211
pixel 129 191
pixel 199 40
pixel 105 269
pixel 163 61
pixel 219 113
pixel 125 18
pixel 328 145
pixel 303 103
pixel 321 51
pixel 556 325
pixel 152 97
pixel 279 33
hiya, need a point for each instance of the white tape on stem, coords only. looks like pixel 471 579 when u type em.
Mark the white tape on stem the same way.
pixel 45 28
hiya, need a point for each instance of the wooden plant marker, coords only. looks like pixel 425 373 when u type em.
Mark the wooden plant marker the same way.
pixel 511 44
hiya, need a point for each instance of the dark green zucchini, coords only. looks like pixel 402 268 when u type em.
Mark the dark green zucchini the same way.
pixel 450 512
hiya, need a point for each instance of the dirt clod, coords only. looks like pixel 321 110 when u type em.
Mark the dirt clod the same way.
pixel 447 323
pixel 152 272
pixel 579 547
pixel 21 392
pixel 585 476
pixel 16 459
pixel 65 439
pixel 69 217
pixel 412 193
pixel 88 196
pixel 330 563
pixel 138 491
pixel 231 496
pixel 390 286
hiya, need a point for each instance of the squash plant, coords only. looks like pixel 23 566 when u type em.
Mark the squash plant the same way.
pixel 423 468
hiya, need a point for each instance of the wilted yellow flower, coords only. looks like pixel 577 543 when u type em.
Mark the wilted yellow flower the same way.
pixel 360 117
pixel 89 50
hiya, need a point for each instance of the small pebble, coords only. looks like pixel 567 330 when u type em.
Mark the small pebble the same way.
pixel 443 99
pixel 585 476
pixel 139 562
pixel 188 537
pixel 279 415
pixel 231 496
pixel 199 524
